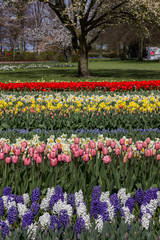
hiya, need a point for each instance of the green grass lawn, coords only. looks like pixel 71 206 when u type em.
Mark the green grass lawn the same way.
pixel 100 70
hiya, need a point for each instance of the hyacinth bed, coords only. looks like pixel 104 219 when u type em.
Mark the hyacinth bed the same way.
pixel 80 165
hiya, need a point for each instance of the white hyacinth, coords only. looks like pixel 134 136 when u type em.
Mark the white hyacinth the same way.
pixel 145 220
pixel 22 209
pixel 44 220
pixel 32 229
pixel 123 196
pixel 128 216
pixel 99 223
pixel 58 206
pixel 11 203
pixel 44 204
pixel 50 192
pixel 78 197
pixel 26 198
pixel 5 198
pixel 104 196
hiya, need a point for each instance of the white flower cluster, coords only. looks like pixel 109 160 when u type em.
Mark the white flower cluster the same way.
pixel 45 201
pixel 105 198
pixel 28 66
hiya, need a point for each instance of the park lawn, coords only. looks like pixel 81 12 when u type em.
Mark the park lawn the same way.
pixel 100 70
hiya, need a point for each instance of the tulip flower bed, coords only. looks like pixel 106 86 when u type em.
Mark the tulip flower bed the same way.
pixel 79 111
pixel 54 214
pixel 80 162
pixel 77 86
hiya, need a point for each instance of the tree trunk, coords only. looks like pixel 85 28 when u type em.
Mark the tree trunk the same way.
pixel 83 60
pixel 140 50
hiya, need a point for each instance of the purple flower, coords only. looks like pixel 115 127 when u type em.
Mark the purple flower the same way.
pixel 34 208
pixel 1 207
pixel 55 222
pixel 79 226
pixel 116 204
pixel 139 195
pixel 71 199
pixel 19 199
pixel 6 191
pixel 130 204
pixel 12 215
pixel 54 198
pixel 95 204
pixel 150 194
pixel 64 217
pixel 5 229
pixel 27 219
pixel 104 212
pixel 36 194
pixel 11 197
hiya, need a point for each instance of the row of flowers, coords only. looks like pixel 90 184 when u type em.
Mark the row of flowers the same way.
pixel 77 86
pixel 80 146
pixel 58 210
pixel 9 67
pixel 81 103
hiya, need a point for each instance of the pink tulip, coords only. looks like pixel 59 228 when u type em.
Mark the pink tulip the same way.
pixel 106 159
pixel 31 149
pixel 76 140
pixel 52 154
pixel 39 159
pixel 23 149
pixel 154 152
pixel 27 161
pixel 24 144
pixel 139 146
pixel 105 151
pixel 35 155
pixel 17 152
pixel 59 157
pixel 113 144
pixel 124 147
pixel 122 141
pixel 129 149
pixel 86 146
pixel 9 147
pixel 14 148
pixel 92 144
pixel 43 145
pixel 6 149
pixel 85 157
pixel 36 151
pixel 76 154
pixel 63 156
pixel 87 150
pixel 148 140
pixel 40 149
pixel 130 141
pixel 108 142
pixel 93 152
pixel 81 152
pixel 129 155
pixel 157 145
pixel 117 151
pixel 73 150
pixel 1 155
pixel 76 147
pixel 2 142
pixel 158 157
pixel 59 146
pixel 59 150
pixel 144 144
pixel 55 147
pixel 68 159
pixel 15 159
pixel 0 147
pixel 125 159
pixel 46 151
pixel 72 145
pixel 8 160
pixel 100 146
pixel 54 162
pixel 147 153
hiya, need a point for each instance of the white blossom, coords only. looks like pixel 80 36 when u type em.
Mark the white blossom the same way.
pixel 44 220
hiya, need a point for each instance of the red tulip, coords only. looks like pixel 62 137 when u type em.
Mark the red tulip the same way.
pixel 1 155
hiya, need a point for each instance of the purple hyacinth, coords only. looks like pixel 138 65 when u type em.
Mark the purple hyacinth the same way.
pixel 1 207
pixel 130 204
pixel 12 215
pixel 64 217
pixel 96 204
pixel 5 229
pixel 27 219
pixel 55 223
pixel 150 194
pixel 57 196
pixel 11 197
pixel 34 208
pixel 6 191
pixel 79 226
pixel 104 212
pixel 139 195
pixel 71 199
pixel 19 199
pixel 36 194
pixel 116 204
